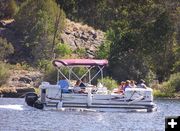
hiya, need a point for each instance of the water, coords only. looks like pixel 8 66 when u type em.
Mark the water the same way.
pixel 16 116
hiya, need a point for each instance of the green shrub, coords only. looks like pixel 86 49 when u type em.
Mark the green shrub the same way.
pixel 63 50
pixel 44 65
pixel 108 82
pixel 81 52
pixel 4 73
pixel 159 93
pixel 174 81
pixel 8 8
pixel 103 50
pixel 176 66
pixel 170 87
pixel 150 77
pixel 50 74
pixel 167 88
pixel 24 66
pixel 6 48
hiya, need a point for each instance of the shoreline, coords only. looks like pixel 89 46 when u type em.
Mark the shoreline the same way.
pixel 166 98
pixel 14 93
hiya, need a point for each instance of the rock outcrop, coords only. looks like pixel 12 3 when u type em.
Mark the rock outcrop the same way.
pixel 82 36
pixel 20 82
pixel 24 78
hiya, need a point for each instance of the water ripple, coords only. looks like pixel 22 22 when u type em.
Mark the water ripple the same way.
pixel 15 115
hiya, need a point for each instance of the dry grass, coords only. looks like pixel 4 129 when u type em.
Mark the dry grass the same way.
pixel 5 90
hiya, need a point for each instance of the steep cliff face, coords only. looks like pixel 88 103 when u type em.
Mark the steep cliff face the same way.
pixel 79 36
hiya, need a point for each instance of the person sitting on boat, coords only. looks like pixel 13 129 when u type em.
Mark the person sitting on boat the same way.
pixel 120 90
pixel 132 84
pixel 83 83
pixel 77 88
pixel 127 84
pixel 142 84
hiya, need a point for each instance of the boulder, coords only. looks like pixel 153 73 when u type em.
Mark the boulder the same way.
pixel 25 79
pixel 21 82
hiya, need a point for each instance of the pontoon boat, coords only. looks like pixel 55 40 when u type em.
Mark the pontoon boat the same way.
pixel 93 98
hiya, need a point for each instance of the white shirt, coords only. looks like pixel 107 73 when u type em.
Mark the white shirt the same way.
pixel 77 89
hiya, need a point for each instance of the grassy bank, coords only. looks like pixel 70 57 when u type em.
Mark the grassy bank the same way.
pixel 158 94
pixel 170 88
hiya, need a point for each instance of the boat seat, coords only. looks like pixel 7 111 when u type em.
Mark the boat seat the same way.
pixel 64 85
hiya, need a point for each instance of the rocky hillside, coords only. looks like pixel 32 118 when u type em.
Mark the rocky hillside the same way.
pixel 20 82
pixel 78 35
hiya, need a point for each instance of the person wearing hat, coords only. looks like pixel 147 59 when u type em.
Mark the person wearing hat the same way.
pixel 142 84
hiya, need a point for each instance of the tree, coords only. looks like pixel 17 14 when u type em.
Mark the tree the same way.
pixel 142 42
pixel 38 23
pixel 104 50
pixel 70 7
pixel 94 12
pixel 128 59
pixel 160 38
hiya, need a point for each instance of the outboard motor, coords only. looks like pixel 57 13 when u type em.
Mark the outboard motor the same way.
pixel 38 104
pixel 31 98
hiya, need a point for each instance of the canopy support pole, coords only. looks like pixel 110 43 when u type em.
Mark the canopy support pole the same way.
pixel 82 75
pixel 59 71
pixel 79 78
pixel 57 76
pixel 102 75
pixel 89 76
pixel 100 70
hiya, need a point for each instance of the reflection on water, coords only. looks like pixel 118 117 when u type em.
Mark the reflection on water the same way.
pixel 13 107
pixel 16 116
